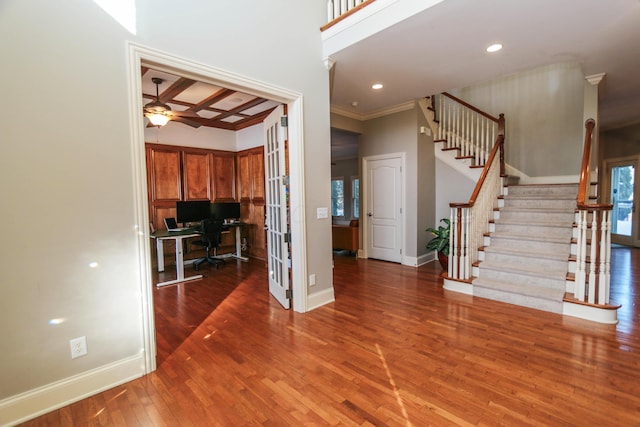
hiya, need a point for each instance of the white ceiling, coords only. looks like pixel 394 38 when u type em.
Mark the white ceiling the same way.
pixel 443 48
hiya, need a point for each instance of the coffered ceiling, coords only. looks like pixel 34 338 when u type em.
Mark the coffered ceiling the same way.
pixel 200 104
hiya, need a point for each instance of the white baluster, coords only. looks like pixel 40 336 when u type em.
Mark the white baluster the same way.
pixel 592 263
pixel 578 290
pixel 343 6
pixel 330 15
pixel 336 9
pixel 453 260
pixel 351 4
pixel 608 257
pixel 603 242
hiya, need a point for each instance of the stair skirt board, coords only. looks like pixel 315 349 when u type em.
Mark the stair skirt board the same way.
pixel 591 313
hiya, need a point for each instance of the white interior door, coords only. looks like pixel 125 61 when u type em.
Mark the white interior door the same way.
pixel 276 208
pixel 624 218
pixel 384 209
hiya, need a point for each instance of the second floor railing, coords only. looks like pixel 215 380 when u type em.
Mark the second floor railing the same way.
pixel 465 128
pixel 337 10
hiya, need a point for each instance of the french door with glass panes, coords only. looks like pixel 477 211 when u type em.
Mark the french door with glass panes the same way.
pixel 624 217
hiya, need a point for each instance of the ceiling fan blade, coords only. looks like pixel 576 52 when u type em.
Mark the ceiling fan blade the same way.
pixel 186 113
pixel 186 121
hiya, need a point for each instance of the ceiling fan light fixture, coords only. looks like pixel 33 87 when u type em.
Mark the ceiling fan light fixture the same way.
pixel 157 119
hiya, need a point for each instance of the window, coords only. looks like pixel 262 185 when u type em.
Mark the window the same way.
pixel 355 196
pixel 337 196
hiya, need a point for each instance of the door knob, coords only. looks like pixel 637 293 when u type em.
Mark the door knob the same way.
pixel 369 214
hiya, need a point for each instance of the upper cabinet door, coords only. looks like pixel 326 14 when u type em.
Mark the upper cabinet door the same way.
pixel 197 175
pixel 224 177
pixel 257 175
pixel 165 175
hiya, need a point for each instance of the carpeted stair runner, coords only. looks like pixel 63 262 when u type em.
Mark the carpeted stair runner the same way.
pixel 525 258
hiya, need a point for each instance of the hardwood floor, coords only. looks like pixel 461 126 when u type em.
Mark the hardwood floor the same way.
pixel 394 349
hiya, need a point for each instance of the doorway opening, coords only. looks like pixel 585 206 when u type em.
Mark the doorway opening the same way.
pixel 140 56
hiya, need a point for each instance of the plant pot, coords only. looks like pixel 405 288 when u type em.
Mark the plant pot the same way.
pixel 444 261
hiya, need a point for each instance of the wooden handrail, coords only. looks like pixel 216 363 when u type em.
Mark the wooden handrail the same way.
pixel 346 14
pixel 586 162
pixel 498 146
pixel 460 101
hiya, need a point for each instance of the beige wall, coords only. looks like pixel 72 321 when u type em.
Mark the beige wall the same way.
pixel 543 110
pixel 399 133
pixel 66 166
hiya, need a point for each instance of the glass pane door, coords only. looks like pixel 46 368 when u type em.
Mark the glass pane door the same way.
pixel 622 198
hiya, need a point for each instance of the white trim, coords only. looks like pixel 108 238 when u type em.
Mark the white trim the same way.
pixel 364 220
pixel 455 286
pixel 426 258
pixel 39 401
pixel 321 298
pixel 405 106
pixel 139 55
pixel 595 314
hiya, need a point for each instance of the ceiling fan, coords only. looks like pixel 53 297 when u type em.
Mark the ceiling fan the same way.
pixel 159 113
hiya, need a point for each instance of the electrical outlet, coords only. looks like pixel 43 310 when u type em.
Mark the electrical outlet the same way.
pixel 78 347
pixel 312 280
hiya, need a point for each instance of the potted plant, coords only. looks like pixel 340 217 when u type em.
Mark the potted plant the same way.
pixel 440 242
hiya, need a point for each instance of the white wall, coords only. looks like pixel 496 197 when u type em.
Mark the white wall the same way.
pixel 66 170
pixel 174 133
pixel 250 137
pixel 543 113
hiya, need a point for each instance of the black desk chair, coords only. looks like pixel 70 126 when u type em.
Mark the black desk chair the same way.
pixel 211 236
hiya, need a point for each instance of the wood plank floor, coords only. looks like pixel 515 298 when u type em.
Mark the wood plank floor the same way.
pixel 394 349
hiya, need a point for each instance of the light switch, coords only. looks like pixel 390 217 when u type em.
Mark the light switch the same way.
pixel 322 213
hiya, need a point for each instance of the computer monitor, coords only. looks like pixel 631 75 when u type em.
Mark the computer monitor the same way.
pixel 225 211
pixel 193 211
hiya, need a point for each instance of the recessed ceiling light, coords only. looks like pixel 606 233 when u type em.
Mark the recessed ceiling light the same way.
pixel 494 47
pixel 377 86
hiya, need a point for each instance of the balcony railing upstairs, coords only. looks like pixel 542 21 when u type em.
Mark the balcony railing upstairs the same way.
pixel 465 128
pixel 593 257
pixel 337 10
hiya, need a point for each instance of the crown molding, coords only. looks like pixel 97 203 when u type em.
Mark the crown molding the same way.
pixel 374 114
pixel 595 79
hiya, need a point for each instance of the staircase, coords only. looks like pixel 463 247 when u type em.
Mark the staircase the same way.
pixel 525 257
pixel 545 247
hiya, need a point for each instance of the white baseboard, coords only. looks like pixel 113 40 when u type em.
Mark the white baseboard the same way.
pixel 455 286
pixel 39 401
pixel 595 314
pixel 319 299
pixel 427 258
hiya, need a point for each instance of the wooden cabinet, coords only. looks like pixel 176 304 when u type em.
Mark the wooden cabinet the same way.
pixel 180 173
pixel 224 177
pixel 197 174
pixel 252 201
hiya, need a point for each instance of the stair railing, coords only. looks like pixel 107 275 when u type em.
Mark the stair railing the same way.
pixel 464 127
pixel 337 10
pixel 594 236
pixel 470 221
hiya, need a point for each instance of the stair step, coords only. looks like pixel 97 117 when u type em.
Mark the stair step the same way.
pixel 540 298
pixel 527 237
pixel 524 274
pixel 560 254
